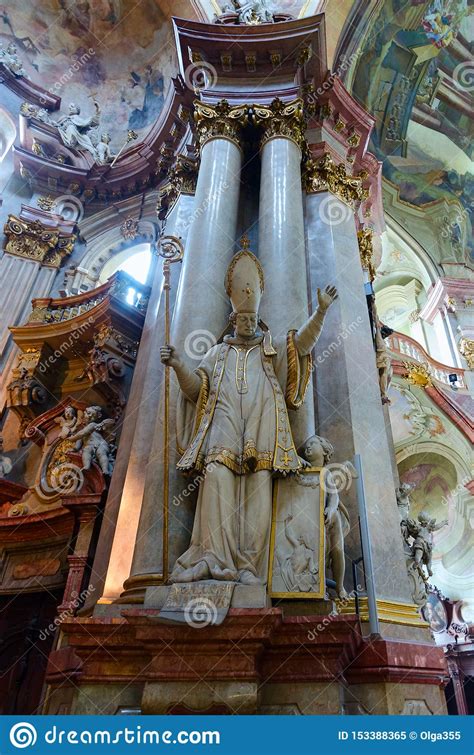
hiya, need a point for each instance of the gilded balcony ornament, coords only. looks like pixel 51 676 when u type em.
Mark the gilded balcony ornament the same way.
pixel 219 121
pixel 466 349
pixel 365 238
pixel 281 119
pixel 418 374
pixel 325 175
pixel 34 241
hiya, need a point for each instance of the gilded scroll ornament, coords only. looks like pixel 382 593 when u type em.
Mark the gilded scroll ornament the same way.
pixel 281 119
pixel 219 120
pixel 325 175
pixel 466 348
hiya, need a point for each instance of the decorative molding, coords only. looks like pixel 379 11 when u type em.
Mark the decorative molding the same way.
pixel 388 611
pixel 182 179
pixel 325 175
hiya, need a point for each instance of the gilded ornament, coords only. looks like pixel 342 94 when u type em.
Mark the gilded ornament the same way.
pixel 325 175
pixel 365 238
pixel 34 241
pixel 466 348
pixel 418 374
pixel 219 121
pixel 281 119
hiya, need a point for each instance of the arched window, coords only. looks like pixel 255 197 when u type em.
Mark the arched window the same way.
pixel 135 261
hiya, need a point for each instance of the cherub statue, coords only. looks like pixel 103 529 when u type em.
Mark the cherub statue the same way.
pixel 70 421
pixel 317 452
pixel 104 153
pixel 422 533
pixel 403 499
pixel 298 569
pixel 91 441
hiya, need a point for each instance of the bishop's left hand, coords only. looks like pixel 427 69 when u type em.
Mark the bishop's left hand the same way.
pixel 326 297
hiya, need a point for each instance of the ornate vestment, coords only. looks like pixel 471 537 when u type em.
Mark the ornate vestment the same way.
pixel 241 418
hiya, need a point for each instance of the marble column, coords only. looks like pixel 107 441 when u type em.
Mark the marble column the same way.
pixel 349 406
pixel 112 563
pixel 281 244
pixel 200 316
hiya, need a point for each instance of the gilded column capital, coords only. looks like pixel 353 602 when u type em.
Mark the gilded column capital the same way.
pixel 34 241
pixel 281 120
pixel 325 175
pixel 219 121
pixel 365 238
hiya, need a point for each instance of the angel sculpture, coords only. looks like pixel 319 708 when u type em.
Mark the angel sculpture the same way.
pixel 422 546
pixel 91 441
pixel 69 422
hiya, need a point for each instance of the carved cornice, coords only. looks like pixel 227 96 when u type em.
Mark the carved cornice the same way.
pixel 365 238
pixel 34 241
pixel 325 175
pixel 281 119
pixel 219 121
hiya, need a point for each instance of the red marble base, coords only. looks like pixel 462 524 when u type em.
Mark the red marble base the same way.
pixel 253 645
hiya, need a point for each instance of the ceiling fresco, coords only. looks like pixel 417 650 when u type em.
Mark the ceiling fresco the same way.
pixel 117 52
pixel 416 56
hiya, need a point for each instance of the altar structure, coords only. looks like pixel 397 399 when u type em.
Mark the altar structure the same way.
pixel 213 450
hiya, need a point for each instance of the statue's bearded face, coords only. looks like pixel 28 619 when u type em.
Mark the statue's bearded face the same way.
pixel 246 324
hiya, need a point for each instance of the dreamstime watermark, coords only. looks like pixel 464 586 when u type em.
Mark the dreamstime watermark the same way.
pixel 65 346
pixel 198 342
pixel 23 734
pixel 338 477
pixel 78 62
pixel 463 76
pixel 460 488
pixel 327 620
pixel 200 75
pixel 343 66
pixel 67 478
pixel 333 211
pixel 200 612
pixel 77 600
pixel 347 331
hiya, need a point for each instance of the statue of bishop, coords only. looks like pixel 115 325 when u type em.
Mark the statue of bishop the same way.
pixel 233 429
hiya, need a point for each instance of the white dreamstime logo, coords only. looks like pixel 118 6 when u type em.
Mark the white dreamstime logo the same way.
pixel 198 343
pixel 339 477
pixel 333 212
pixel 23 735
pixel 200 613
pixel 69 207
pixel 65 478
pixel 463 76
pixel 200 75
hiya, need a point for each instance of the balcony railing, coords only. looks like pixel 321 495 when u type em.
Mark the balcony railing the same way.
pixel 411 350
pixel 120 286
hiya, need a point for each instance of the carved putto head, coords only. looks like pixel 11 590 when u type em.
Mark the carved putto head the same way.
pixel 316 447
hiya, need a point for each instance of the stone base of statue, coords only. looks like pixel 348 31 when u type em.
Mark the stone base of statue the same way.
pixel 259 660
pixel 210 598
